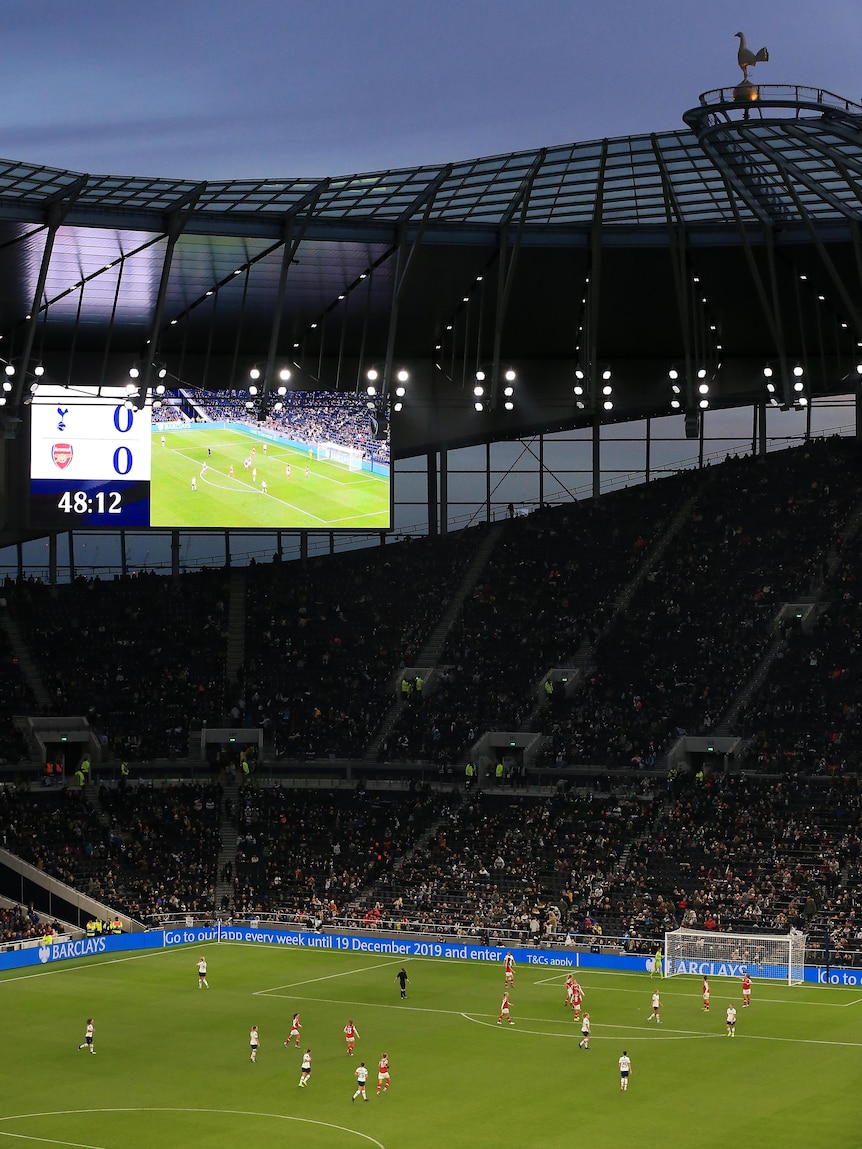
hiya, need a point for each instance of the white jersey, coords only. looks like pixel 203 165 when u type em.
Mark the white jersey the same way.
pixel 306 1061
pixel 731 1015
pixel 585 1026
pixel 202 968
pixel 625 1064
pixel 362 1074
pixel 253 1038
pixel 656 1002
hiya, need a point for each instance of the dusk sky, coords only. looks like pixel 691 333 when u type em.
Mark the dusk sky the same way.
pixel 272 88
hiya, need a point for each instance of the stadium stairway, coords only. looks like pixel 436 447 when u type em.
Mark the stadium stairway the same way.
pixel 728 720
pixel 31 675
pixel 237 609
pixel 228 839
pixel 383 889
pixel 429 656
pixel 582 660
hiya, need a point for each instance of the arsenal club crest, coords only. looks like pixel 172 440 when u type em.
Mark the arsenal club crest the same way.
pixel 61 453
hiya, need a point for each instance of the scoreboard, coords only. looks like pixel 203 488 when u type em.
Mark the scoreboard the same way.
pixel 98 460
pixel 90 454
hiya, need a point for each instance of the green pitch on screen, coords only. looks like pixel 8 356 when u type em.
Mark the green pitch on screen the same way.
pixel 172 1063
pixel 332 497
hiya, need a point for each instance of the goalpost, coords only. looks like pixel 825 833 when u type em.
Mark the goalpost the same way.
pixel 351 457
pixel 780 957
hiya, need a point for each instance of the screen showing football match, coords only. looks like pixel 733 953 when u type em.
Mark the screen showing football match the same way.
pixel 194 460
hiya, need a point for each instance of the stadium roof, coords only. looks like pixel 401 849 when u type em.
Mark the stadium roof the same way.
pixel 579 254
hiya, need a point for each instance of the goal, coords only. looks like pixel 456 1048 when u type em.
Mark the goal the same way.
pixel 780 957
pixel 351 457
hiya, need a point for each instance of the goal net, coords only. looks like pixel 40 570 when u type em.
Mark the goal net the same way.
pixel 780 957
pixel 351 457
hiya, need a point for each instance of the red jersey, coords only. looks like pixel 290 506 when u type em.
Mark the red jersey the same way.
pixel 383 1065
pixel 350 1032
pixel 746 984
pixel 505 1004
pixel 509 964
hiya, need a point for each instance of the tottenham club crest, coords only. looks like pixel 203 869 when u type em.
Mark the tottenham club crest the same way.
pixel 61 453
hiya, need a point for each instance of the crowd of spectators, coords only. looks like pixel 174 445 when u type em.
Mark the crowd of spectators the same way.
pixel 17 699
pixel 305 417
pixel 145 851
pixel 808 715
pixel 22 924
pixel 167 413
pixel 549 588
pixel 325 641
pixel 759 535
pixel 305 855
pixel 748 854
pixel 738 853
pixel 539 869
pixel 339 417
pixel 142 657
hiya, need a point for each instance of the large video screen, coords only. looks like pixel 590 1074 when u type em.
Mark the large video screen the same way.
pixel 203 460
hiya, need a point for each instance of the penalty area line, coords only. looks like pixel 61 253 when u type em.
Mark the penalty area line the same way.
pixel 636 1034
pixel 327 977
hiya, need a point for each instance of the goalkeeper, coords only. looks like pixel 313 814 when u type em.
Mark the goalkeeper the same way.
pixel 656 965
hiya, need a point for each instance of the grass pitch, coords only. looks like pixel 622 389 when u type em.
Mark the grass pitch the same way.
pixel 172 1065
pixel 331 497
